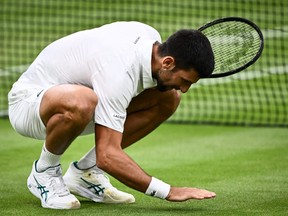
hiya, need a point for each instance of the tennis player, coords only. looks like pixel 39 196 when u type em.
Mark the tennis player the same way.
pixel 118 81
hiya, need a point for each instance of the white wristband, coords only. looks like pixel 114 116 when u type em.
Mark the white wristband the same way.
pixel 158 188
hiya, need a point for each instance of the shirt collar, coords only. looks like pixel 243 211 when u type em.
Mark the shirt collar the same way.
pixel 145 55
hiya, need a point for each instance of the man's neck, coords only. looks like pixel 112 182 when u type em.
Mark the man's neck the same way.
pixel 156 59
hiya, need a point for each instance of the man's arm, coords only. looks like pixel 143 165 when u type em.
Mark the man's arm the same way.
pixel 113 160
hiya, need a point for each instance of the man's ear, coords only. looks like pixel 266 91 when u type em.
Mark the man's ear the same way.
pixel 168 63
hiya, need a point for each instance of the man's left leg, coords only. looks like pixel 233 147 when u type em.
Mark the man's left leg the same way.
pixel 146 112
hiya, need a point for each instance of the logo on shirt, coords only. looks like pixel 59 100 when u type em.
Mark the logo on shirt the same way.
pixel 40 93
pixel 137 39
pixel 122 117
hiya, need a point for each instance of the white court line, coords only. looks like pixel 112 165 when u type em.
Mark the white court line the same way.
pixel 275 33
pixel 245 75
pixel 14 69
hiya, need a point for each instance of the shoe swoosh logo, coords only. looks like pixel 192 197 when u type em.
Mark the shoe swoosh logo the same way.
pixel 96 188
pixel 42 188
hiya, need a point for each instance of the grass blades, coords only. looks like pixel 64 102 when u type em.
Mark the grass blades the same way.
pixel 246 167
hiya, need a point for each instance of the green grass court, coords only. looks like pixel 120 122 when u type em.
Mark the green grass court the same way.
pixel 246 167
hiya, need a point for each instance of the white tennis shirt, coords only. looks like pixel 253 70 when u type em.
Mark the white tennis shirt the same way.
pixel 114 60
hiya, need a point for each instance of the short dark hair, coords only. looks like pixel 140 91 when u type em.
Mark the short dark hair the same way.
pixel 191 49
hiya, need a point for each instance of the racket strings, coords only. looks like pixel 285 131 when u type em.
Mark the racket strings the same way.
pixel 234 45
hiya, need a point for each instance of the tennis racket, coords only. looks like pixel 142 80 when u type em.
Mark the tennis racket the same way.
pixel 237 43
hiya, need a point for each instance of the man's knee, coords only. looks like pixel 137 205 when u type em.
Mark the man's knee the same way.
pixel 83 105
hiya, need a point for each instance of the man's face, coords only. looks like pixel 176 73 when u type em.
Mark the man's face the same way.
pixel 176 79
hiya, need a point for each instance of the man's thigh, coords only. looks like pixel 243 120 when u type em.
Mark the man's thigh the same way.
pixel 68 98
pixel 65 98
pixel 30 114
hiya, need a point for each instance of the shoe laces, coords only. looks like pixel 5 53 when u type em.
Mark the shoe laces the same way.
pixel 57 183
pixel 59 187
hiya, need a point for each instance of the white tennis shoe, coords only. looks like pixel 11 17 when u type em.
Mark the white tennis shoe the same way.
pixel 50 188
pixel 93 184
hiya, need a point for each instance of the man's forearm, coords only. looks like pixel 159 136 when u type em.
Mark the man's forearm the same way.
pixel 113 160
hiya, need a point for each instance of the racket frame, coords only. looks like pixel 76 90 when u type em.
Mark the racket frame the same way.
pixel 243 20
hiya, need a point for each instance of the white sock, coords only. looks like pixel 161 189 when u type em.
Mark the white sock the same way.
pixel 88 160
pixel 47 159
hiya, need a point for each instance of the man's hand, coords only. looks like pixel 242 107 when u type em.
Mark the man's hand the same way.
pixel 179 194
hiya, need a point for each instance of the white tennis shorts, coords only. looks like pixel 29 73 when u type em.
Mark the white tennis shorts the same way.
pixel 24 113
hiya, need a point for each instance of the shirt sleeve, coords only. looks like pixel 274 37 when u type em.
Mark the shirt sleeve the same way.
pixel 114 96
